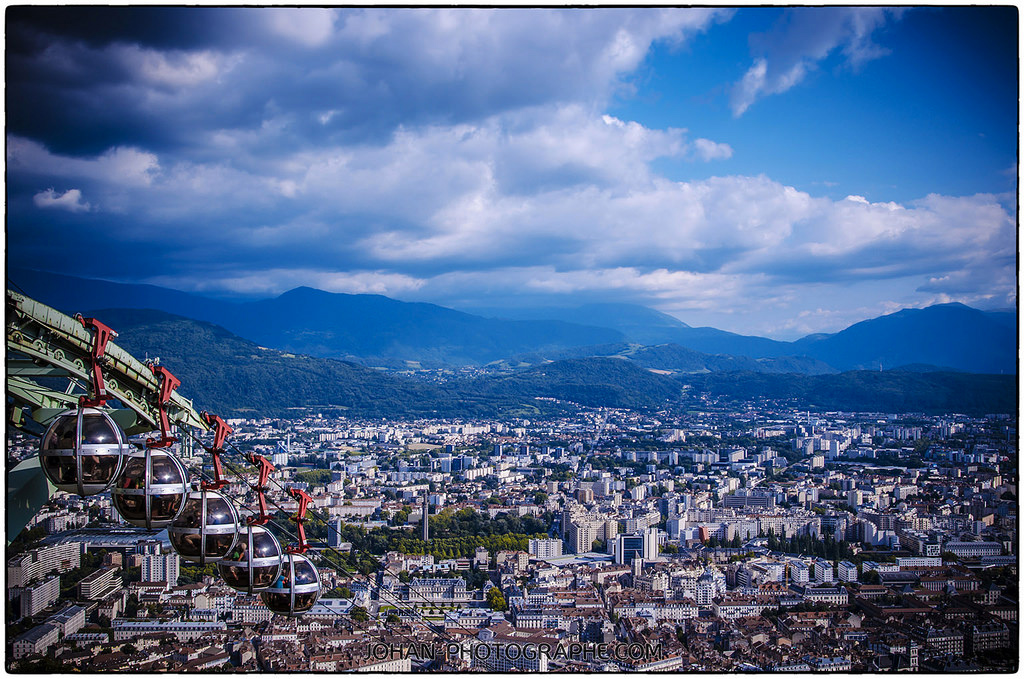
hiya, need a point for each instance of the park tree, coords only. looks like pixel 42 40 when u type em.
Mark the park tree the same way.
pixel 496 600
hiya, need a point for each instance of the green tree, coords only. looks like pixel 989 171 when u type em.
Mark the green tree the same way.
pixel 359 614
pixel 401 516
pixel 496 600
pixel 26 540
pixel 131 574
pixel 131 606
pixel 314 477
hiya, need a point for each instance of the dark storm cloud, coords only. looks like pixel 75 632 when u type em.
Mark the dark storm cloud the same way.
pixel 79 76
pixel 32 28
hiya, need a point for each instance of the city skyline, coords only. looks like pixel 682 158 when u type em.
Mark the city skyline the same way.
pixel 770 171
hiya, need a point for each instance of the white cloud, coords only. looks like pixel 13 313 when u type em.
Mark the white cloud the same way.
pixel 749 88
pixel 119 165
pixel 710 150
pixel 306 77
pixel 804 38
pixel 70 200
pixel 308 26
pixel 174 69
pixel 827 319
pixel 274 281
pixel 491 50
pixel 564 192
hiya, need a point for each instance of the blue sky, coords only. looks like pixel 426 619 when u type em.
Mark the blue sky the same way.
pixel 771 171
pixel 946 87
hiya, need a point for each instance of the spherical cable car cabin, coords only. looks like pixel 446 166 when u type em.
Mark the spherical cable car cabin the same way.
pixel 207 528
pixel 254 562
pixel 82 451
pixel 152 490
pixel 296 589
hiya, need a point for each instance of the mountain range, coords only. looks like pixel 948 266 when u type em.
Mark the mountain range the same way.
pixel 374 330
pixel 946 336
pixel 232 376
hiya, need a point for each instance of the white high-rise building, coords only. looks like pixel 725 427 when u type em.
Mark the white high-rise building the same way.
pixel 24 568
pixel 823 571
pixel 674 527
pixel 848 571
pixel 710 584
pixel 37 597
pixel 799 572
pixel 545 548
pixel 160 568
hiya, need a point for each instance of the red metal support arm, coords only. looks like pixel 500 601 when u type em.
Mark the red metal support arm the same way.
pixel 220 434
pixel 168 383
pixel 261 488
pixel 101 335
pixel 304 499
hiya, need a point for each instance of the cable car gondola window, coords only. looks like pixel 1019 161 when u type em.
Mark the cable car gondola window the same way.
pixel 255 561
pixel 82 451
pixel 207 528
pixel 151 492
pixel 297 588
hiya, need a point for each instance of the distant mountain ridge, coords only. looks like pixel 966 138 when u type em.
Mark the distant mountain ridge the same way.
pixel 648 326
pixel 889 391
pixel 952 335
pixel 639 323
pixel 372 329
pixel 379 331
pixel 673 358
pixel 229 375
pixel 226 374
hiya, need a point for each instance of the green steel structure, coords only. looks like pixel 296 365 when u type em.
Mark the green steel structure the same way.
pixel 50 360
